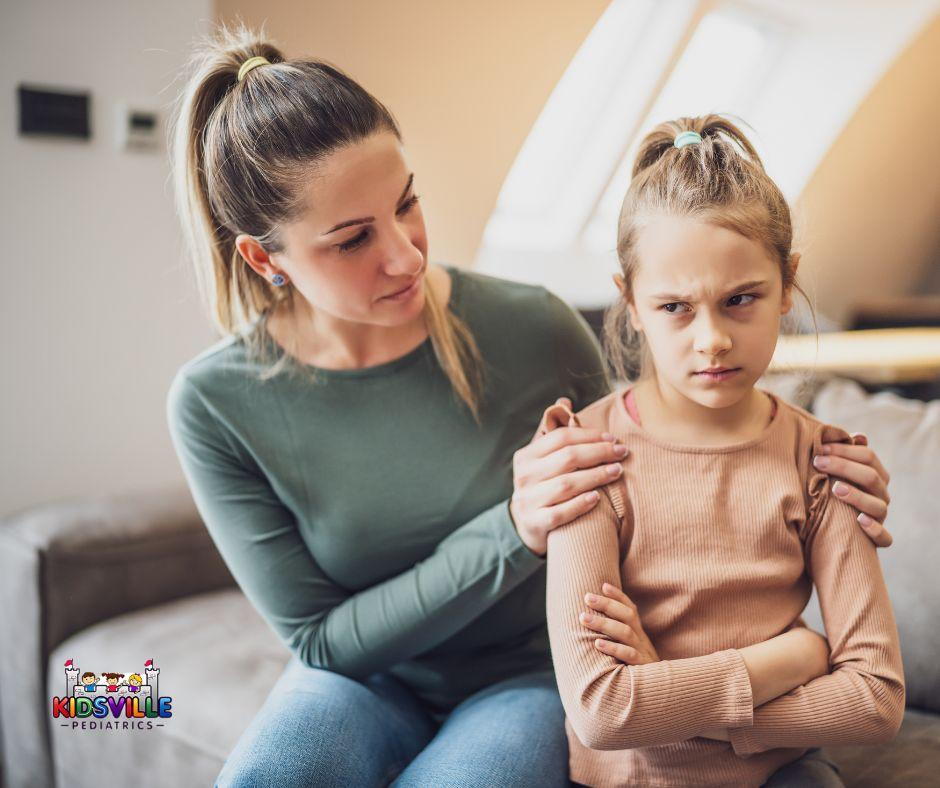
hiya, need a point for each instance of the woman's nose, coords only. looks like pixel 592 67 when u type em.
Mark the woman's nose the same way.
pixel 402 257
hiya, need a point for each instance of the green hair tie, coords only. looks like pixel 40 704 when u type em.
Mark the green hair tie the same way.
pixel 687 138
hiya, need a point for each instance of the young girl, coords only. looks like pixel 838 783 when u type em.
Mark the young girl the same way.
pixel 720 523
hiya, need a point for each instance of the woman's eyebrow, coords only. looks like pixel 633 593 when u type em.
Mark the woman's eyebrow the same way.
pixel 367 219
pixel 736 289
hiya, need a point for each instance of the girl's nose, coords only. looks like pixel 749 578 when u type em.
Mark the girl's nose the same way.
pixel 711 339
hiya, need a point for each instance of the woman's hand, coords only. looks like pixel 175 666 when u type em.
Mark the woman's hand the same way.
pixel 612 613
pixel 859 465
pixel 556 476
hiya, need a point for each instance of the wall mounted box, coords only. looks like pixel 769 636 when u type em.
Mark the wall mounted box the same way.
pixel 53 112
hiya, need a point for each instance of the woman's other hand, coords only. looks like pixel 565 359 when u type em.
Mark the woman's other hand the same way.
pixel 555 477
pixel 612 613
pixel 863 483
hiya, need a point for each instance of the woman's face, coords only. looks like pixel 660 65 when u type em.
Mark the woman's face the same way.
pixel 704 297
pixel 361 240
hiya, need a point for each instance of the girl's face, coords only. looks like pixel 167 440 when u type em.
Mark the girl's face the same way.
pixel 706 297
pixel 361 240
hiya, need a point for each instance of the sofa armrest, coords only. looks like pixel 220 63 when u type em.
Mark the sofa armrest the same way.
pixel 67 565
pixel 90 560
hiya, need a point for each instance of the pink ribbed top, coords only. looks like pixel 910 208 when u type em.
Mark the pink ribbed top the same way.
pixel 716 546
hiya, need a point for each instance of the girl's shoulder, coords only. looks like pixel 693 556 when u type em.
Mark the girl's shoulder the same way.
pixel 599 415
pixel 810 434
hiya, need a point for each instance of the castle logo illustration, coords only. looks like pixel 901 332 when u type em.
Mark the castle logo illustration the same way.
pixel 132 700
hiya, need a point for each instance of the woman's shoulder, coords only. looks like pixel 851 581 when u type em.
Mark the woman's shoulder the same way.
pixel 505 298
pixel 222 371
pixel 219 360
pixel 516 319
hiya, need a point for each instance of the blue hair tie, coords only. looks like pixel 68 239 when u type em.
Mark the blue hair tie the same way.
pixel 687 138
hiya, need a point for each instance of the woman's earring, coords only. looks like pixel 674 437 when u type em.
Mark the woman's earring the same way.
pixel 278 280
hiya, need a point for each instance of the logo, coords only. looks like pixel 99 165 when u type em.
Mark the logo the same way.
pixel 112 701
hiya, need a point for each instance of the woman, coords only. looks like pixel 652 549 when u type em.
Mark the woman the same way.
pixel 357 441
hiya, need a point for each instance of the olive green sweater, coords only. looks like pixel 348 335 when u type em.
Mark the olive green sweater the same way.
pixel 366 515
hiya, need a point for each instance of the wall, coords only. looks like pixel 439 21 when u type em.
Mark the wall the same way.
pixel 466 82
pixel 96 313
pixel 97 310
pixel 871 211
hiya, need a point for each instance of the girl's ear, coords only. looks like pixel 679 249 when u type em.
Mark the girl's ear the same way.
pixel 634 320
pixel 786 303
pixel 631 311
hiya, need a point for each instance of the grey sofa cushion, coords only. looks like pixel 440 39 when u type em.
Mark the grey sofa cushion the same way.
pixel 912 760
pixel 905 434
pixel 218 660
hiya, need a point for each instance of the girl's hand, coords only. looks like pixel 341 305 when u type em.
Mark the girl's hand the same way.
pixel 555 477
pixel 613 614
pixel 860 465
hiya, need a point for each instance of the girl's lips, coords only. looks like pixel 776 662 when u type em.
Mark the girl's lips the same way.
pixel 718 376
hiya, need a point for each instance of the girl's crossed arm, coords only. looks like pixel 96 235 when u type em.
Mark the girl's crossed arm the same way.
pixel 613 706
pixel 861 700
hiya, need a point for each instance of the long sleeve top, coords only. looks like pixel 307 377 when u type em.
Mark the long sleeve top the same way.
pixel 365 515
pixel 718 547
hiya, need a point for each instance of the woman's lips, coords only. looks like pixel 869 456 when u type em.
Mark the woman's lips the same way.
pixel 405 294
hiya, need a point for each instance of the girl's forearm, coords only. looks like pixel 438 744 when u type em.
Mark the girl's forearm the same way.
pixel 779 665
pixel 784 663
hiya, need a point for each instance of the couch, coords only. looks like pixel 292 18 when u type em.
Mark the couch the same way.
pixel 112 582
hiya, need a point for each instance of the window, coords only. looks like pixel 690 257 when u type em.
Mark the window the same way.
pixel 791 71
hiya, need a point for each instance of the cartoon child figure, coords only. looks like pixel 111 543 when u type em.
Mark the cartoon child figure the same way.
pixel 114 680
pixel 133 682
pixel 89 681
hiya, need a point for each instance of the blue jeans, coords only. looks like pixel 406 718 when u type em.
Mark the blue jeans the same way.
pixel 324 729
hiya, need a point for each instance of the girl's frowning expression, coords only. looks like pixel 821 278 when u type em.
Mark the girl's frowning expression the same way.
pixel 708 301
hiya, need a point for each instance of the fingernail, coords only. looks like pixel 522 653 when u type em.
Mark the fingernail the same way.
pixel 826 449
pixel 840 489
pixel 821 462
pixel 586 616
pixel 613 470
pixel 864 519
pixel 607 437
pixel 620 450
pixel 593 495
pixel 590 598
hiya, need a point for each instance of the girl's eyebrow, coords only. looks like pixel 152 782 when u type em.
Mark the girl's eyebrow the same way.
pixel 367 219
pixel 738 288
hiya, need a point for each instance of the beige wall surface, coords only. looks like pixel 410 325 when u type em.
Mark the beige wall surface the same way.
pixel 96 309
pixel 466 81
pixel 871 211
